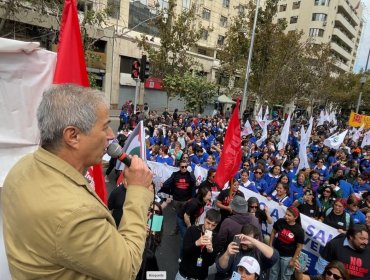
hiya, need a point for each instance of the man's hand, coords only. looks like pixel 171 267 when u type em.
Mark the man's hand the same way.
pixel 204 240
pixel 138 173
pixel 232 249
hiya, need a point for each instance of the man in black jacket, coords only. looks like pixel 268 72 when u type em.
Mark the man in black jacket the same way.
pixel 181 185
pixel 198 253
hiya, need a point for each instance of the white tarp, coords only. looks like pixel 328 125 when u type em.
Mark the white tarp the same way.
pixel 25 72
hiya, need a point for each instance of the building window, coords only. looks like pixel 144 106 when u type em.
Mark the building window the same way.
pixel 322 2
pixel 282 8
pixel 241 9
pixel 316 32
pixel 226 3
pixel 293 19
pixel 220 40
pixel 205 34
pixel 113 8
pixel 206 14
pixel 223 21
pixel 296 5
pixel 202 51
pixel 186 4
pixel 319 17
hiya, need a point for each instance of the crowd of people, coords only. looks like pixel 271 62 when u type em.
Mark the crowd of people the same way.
pixel 333 189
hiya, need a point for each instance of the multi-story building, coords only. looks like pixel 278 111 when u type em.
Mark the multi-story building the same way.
pixel 338 22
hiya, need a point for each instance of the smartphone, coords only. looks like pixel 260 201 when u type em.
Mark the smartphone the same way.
pixel 303 259
pixel 235 276
pixel 236 240
pixel 208 233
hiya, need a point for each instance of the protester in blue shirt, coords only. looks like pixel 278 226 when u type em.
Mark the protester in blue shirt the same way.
pixel 361 186
pixel 272 178
pixel 259 182
pixel 322 169
pixel 352 208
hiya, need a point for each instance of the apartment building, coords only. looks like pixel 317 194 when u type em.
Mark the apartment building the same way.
pixel 338 22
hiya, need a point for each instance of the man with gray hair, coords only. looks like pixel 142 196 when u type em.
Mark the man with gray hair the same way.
pixel 62 230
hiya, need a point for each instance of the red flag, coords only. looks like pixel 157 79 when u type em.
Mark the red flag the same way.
pixel 71 69
pixel 231 152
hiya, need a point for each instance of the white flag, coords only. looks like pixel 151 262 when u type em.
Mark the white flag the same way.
pixel 322 118
pixel 366 140
pixel 303 161
pixel 309 131
pixel 260 118
pixel 267 114
pixel 335 140
pixel 264 134
pixel 284 134
pixel 247 129
pixel 357 133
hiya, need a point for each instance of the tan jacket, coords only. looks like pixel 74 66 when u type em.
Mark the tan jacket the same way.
pixel 55 226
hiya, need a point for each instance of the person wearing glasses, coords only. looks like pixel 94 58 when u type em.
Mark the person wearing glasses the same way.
pixel 258 180
pixel 334 270
pixel 322 169
pixel 352 208
pixel 262 212
pixel 181 185
pixel 351 249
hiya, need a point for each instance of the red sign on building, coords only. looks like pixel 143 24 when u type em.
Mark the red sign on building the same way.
pixel 153 83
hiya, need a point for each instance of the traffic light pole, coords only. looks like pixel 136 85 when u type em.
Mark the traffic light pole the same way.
pixel 136 93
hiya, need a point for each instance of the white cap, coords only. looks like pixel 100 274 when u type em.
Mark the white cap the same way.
pixel 250 264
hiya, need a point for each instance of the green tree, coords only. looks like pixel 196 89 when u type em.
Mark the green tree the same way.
pixel 178 33
pixel 195 90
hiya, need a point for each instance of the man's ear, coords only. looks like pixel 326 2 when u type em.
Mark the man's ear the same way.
pixel 71 136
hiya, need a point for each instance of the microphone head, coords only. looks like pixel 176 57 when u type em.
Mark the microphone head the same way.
pixel 114 150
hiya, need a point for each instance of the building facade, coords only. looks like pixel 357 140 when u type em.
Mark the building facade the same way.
pixel 337 22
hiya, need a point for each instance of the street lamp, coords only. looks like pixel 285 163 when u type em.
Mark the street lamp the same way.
pixel 245 92
pixel 362 82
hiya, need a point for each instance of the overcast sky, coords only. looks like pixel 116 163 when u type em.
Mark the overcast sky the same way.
pixel 365 40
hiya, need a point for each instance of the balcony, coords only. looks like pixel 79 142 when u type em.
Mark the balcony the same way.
pixel 343 37
pixel 342 66
pixel 349 28
pixel 343 4
pixel 340 51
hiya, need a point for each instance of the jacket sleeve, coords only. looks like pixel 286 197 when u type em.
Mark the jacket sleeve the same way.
pixel 87 242
pixel 167 185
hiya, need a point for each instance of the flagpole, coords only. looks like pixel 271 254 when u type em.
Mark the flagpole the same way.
pixel 245 92
pixel 362 82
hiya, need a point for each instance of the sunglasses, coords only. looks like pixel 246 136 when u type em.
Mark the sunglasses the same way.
pixel 327 191
pixel 184 166
pixel 253 207
pixel 335 276
pixel 257 172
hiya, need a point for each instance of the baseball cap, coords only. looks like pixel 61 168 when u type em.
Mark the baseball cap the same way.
pixel 250 264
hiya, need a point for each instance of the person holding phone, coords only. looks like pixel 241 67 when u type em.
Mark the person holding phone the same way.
pixel 245 244
pixel 287 237
pixel 198 253
pixel 334 270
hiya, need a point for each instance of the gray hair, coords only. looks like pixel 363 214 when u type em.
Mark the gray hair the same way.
pixel 67 105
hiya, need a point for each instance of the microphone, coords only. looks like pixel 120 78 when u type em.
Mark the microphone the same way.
pixel 115 151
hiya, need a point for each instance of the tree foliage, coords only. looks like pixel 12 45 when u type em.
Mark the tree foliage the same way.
pixel 283 67
pixel 178 33
pixel 195 90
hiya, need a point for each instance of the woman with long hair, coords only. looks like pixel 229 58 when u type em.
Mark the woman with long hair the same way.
pixel 334 270
pixel 226 196
pixel 287 237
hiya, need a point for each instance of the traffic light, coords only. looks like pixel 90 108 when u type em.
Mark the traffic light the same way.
pixel 144 70
pixel 135 69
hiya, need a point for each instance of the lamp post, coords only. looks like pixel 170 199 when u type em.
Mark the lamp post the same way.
pixel 245 89
pixel 362 82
